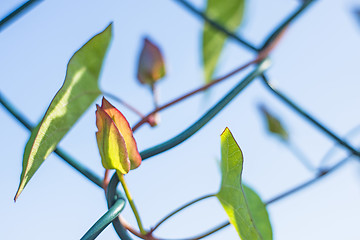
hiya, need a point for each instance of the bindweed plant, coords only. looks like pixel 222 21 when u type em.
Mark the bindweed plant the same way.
pixel 116 139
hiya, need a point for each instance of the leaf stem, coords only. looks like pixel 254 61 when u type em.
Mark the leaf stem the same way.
pixel 128 227
pixel 203 235
pixel 111 197
pixel 180 209
pixel 132 204
pixel 155 95
pixel 153 119
pixel 214 230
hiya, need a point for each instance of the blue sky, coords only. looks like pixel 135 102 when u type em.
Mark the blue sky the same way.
pixel 316 64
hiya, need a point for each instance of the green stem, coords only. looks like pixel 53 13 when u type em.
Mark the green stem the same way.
pixel 203 235
pixel 214 230
pixel 180 209
pixel 111 198
pixel 131 202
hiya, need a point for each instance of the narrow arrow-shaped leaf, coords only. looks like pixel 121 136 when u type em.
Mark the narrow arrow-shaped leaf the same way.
pixel 231 194
pixel 273 123
pixel 227 13
pixel 258 212
pixel 79 91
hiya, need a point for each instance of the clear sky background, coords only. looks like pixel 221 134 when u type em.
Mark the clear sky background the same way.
pixel 316 64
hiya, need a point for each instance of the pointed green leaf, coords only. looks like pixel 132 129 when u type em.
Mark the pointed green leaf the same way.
pixel 273 124
pixel 229 14
pixel 79 91
pixel 258 212
pixel 231 194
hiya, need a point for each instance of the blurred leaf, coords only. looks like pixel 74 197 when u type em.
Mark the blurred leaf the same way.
pixel 231 194
pixel 258 212
pixel 229 14
pixel 117 146
pixel 273 124
pixel 79 91
pixel 151 66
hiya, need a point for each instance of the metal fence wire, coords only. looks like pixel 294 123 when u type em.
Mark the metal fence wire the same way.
pixel 115 199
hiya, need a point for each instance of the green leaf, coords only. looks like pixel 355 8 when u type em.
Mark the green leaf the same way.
pixel 229 14
pixel 79 91
pixel 258 212
pixel 111 144
pixel 273 123
pixel 231 194
pixel 117 145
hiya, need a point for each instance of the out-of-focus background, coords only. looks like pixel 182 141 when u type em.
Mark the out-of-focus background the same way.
pixel 316 64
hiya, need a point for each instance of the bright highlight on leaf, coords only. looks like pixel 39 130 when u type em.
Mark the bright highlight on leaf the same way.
pixel 240 209
pixel 227 13
pixel 151 66
pixel 273 124
pixel 79 91
pixel 117 146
